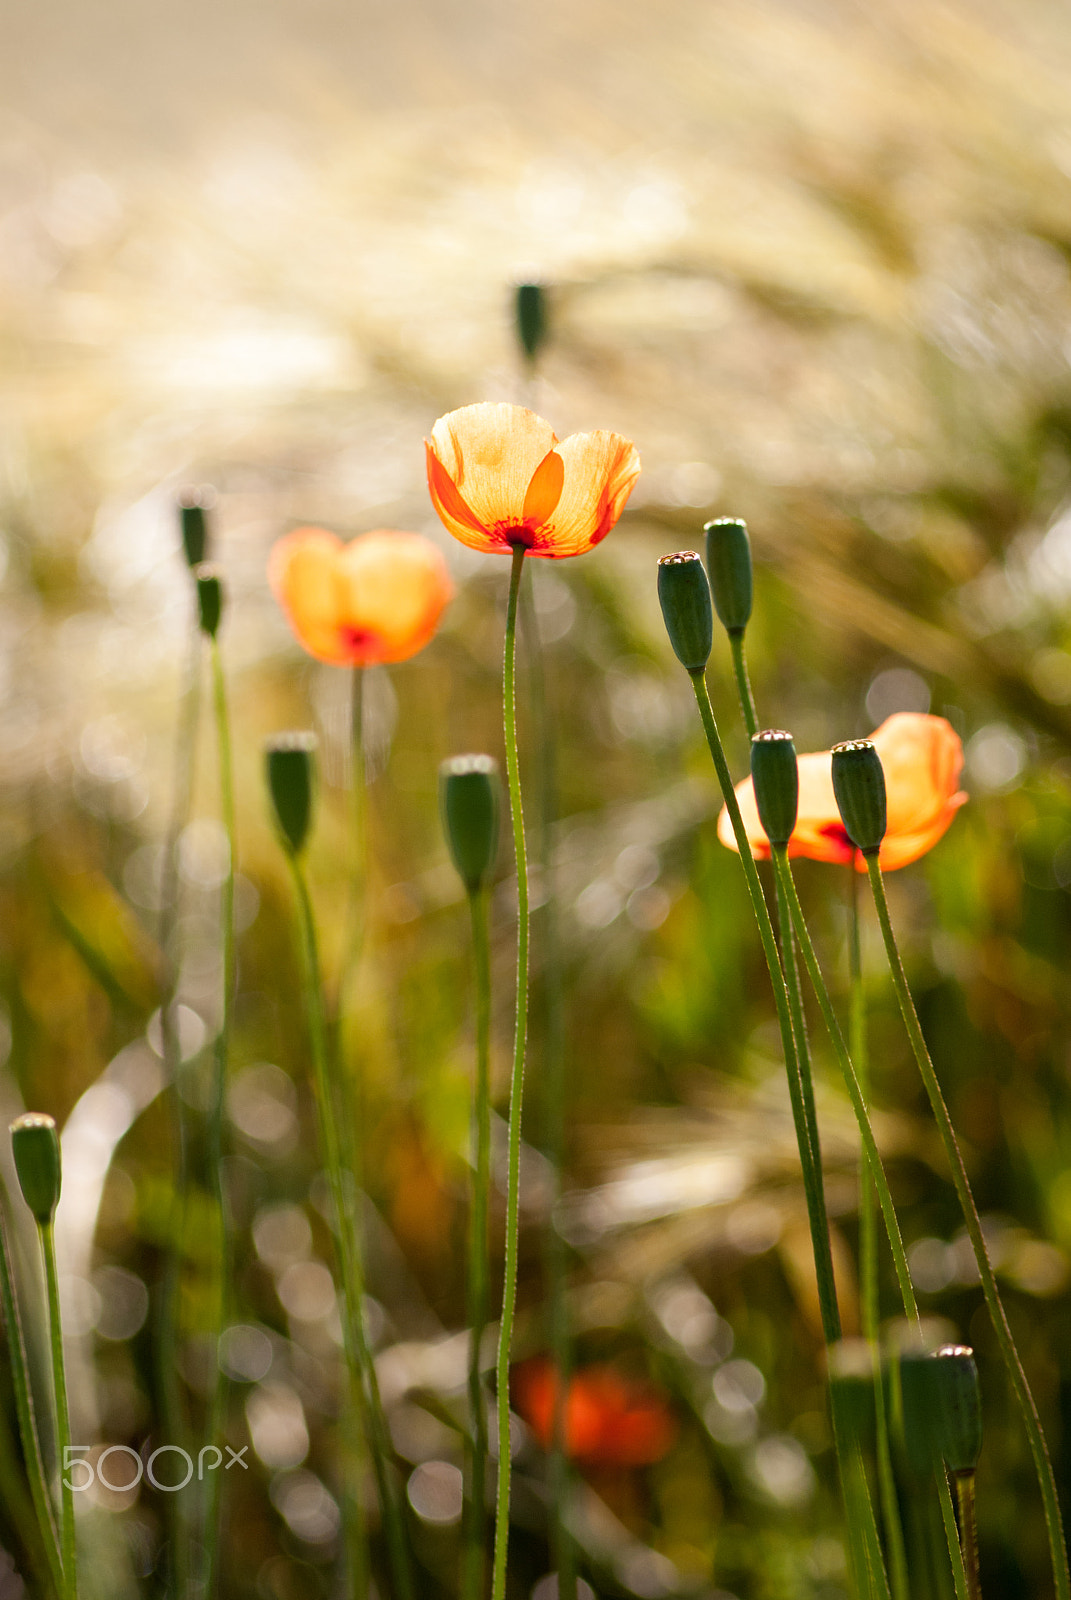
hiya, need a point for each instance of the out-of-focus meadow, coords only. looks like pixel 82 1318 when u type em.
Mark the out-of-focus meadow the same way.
pixel 814 259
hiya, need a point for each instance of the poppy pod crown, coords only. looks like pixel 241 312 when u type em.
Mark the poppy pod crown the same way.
pixel 500 478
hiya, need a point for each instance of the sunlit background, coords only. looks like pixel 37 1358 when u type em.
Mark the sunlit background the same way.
pixel 814 259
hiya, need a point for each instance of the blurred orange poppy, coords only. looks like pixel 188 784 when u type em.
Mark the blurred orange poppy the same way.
pixel 922 757
pixel 377 599
pixel 608 1419
pixel 500 478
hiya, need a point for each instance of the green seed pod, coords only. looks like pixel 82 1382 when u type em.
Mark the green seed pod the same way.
pixel 290 766
pixel 684 595
pixel 960 1407
pixel 859 785
pixel 209 598
pixel 193 507
pixel 729 565
pixel 468 805
pixel 776 780
pixel 919 1409
pixel 530 318
pixel 35 1146
pixel 851 1386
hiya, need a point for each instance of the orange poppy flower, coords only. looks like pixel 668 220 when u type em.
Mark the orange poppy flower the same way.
pixel 921 756
pixel 378 598
pixel 500 478
pixel 608 1419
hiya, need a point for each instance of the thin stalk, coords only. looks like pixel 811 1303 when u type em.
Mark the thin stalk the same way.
pixel 217 1405
pixel 859 1511
pixel 349 1116
pixel 47 1234
pixel 799 1027
pixel 997 1314
pixel 359 1362
pixel 24 1409
pixel 513 1183
pixel 868 1259
pixel 166 1339
pixel 743 682
pixel 479 1289
pixel 783 870
pixel 553 1076
pixel 968 1531
pixel 948 1517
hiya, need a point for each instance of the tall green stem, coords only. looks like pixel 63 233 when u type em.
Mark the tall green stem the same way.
pixel 553 1076
pixel 359 1362
pixel 349 1114
pixel 166 1339
pixel 218 1397
pixel 47 1233
pixel 948 1517
pixel 869 1291
pixel 479 1284
pixel 859 1510
pixel 743 682
pixel 968 1531
pixel 24 1408
pixel 855 1093
pixel 513 1183
pixel 998 1316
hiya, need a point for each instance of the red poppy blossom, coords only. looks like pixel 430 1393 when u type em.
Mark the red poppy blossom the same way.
pixel 608 1419
pixel 499 478
pixel 922 757
pixel 377 599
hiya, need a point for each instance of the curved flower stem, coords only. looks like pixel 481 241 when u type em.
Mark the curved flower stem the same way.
pixel 743 682
pixel 359 1362
pixel 509 1286
pixel 968 1531
pixel 998 1316
pixel 24 1407
pixel 47 1234
pixel 218 1397
pixel 862 1528
pixel 868 1260
pixel 479 1285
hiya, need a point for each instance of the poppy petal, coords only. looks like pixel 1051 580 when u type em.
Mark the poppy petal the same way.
pixel 601 469
pixel 921 756
pixel 491 453
pixel 302 574
pixel 450 505
pixel 545 489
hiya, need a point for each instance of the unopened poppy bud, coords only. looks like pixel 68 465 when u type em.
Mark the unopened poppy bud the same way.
pixel 729 566
pixel 851 1384
pixel 684 595
pixel 960 1407
pixel 193 508
pixel 530 315
pixel 36 1149
pixel 859 785
pixel 775 776
pixel 468 803
pixel 209 598
pixel 289 760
